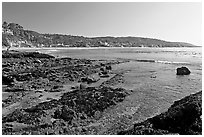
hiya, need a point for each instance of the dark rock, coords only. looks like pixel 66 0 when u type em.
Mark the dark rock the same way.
pixel 65 113
pixel 23 117
pixel 22 63
pixel 10 54
pixel 55 90
pixel 104 72
pixel 92 99
pixel 7 80
pixel 14 89
pixel 102 69
pixel 37 61
pixel 23 76
pixel 102 64
pixel 6 69
pixel 89 79
pixel 57 113
pixel 104 75
pixel 108 67
pixel 183 71
pixel 183 117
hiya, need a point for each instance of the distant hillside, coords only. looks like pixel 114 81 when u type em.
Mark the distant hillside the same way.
pixel 13 35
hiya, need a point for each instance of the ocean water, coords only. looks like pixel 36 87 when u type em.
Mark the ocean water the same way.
pixel 150 74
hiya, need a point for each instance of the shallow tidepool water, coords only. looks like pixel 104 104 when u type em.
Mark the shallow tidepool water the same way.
pixel 150 74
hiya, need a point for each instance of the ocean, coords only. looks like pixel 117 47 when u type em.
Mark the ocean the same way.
pixel 150 74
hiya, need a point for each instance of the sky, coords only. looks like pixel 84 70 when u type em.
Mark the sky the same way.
pixel 170 21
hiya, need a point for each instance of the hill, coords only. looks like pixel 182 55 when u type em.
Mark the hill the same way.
pixel 14 35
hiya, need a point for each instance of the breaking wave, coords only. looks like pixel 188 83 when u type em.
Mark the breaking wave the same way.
pixel 161 61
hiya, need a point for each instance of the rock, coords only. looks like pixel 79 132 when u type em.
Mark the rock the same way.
pixel 92 99
pixel 183 71
pixel 108 67
pixel 37 61
pixel 19 54
pixel 23 76
pixel 22 63
pixel 65 113
pixel 7 80
pixel 104 72
pixel 97 115
pixel 82 86
pixel 6 69
pixel 83 116
pixel 102 69
pixel 104 75
pixel 183 117
pixel 102 64
pixel 90 79
pixel 57 113
pixel 153 76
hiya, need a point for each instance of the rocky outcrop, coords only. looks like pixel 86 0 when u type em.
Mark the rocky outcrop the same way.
pixel 91 99
pixel 17 54
pixel 65 113
pixel 183 117
pixel 182 71
pixel 34 87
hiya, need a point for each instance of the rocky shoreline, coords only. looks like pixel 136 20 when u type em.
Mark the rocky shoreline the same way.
pixel 184 117
pixel 41 90
pixel 45 95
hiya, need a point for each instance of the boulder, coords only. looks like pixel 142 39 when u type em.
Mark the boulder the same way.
pixel 7 80
pixel 102 64
pixel 108 67
pixel 182 71
pixel 82 86
pixel 102 69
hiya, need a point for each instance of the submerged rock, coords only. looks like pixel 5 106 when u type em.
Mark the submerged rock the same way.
pixel 182 71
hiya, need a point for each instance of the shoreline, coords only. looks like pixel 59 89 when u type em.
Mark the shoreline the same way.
pixel 47 48
pixel 56 89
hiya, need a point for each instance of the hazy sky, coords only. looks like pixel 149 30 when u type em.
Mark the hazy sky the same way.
pixel 167 21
